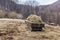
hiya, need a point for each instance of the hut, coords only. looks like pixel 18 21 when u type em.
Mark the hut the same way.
pixel 36 23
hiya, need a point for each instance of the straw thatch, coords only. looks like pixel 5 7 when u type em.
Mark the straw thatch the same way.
pixel 34 19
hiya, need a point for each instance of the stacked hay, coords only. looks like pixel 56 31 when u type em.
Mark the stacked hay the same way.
pixel 34 19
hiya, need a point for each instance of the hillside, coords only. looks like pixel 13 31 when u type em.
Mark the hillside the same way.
pixel 49 13
pixel 13 27
pixel 55 6
pixel 53 12
pixel 17 29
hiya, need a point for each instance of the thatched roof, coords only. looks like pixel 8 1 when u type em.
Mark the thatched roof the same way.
pixel 34 19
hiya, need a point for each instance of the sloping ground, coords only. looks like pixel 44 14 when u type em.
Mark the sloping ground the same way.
pixel 17 29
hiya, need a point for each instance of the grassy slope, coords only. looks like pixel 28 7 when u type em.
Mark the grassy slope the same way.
pixel 22 32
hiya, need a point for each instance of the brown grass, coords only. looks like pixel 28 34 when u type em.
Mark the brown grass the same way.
pixel 17 29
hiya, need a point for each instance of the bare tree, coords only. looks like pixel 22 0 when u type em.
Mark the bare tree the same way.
pixel 32 3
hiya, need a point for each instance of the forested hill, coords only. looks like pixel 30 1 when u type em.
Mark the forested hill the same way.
pixel 49 13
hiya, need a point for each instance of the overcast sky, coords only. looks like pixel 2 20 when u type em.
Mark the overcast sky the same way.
pixel 41 2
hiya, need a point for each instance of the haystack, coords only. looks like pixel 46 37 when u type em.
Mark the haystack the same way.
pixel 34 19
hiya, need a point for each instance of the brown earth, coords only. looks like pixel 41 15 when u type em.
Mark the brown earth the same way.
pixel 17 29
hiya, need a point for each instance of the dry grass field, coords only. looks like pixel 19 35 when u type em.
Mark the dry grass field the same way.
pixel 17 29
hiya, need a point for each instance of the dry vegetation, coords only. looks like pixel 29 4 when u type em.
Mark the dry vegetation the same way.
pixel 17 29
pixel 34 19
pixel 10 14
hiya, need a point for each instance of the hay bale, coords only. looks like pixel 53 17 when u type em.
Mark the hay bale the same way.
pixel 34 19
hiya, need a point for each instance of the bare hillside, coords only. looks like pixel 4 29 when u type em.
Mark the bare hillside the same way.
pixel 17 29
